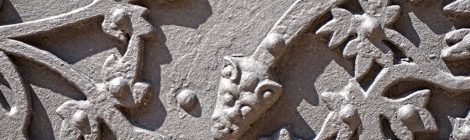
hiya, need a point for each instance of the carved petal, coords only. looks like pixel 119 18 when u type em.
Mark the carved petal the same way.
pixel 351 48
pixel 458 52
pixel 419 98
pixel 330 126
pixel 391 15
pixel 456 35
pixel 362 66
pixel 339 26
pixel 459 7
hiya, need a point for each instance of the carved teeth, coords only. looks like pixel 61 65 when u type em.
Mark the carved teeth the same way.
pixel 245 110
pixel 228 99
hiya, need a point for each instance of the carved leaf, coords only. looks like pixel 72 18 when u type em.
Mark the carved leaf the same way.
pixel 461 49
pixel 459 7
pixel 340 26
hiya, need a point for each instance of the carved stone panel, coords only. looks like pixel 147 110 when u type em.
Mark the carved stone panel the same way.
pixel 209 69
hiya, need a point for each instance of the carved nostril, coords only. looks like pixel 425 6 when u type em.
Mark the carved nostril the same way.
pixel 215 117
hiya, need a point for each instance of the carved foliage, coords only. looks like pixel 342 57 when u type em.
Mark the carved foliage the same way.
pixel 461 129
pixel 370 31
pixel 353 111
pixel 120 88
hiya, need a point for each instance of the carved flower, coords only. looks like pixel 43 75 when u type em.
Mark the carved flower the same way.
pixel 369 31
pixel 354 111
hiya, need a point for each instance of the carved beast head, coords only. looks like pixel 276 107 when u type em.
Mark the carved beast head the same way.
pixel 245 91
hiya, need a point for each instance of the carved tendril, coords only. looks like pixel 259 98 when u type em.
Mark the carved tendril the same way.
pixel 120 87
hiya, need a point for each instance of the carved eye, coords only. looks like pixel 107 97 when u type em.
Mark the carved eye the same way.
pixel 228 99
pixel 230 69
pixel 227 71
pixel 268 90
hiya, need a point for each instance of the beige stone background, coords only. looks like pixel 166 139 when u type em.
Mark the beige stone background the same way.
pixel 194 36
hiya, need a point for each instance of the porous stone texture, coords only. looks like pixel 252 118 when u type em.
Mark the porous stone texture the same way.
pixel 239 69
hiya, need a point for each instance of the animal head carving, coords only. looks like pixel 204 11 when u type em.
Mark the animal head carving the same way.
pixel 246 90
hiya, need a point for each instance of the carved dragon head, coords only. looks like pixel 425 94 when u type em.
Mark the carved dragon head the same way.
pixel 246 90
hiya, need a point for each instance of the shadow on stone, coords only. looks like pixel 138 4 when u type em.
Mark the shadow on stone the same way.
pixel 40 126
pixel 8 13
pixel 186 13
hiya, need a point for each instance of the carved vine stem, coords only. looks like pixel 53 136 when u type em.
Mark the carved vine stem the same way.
pixel 126 24
pixel 356 112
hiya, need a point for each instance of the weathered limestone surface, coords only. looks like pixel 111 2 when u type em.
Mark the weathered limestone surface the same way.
pixel 236 69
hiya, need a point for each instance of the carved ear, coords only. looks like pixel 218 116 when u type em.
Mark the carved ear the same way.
pixel 269 90
pixel 230 69
pixel 270 48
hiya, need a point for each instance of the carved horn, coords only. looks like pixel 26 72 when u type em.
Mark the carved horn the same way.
pixel 270 48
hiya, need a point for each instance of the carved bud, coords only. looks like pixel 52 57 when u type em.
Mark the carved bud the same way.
pixel 371 28
pixel 187 99
pixel 349 115
pixel 409 115
pixel 80 120
pixel 119 87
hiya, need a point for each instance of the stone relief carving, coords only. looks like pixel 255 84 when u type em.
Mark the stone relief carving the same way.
pixel 249 86
pixel 359 111
pixel 120 88
pixel 461 129
pixel 282 134
pixel 15 115
pixel 246 90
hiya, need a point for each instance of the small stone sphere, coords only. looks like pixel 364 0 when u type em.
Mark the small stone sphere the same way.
pixel 79 119
pixel 187 99
pixel 349 114
pixel 407 113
